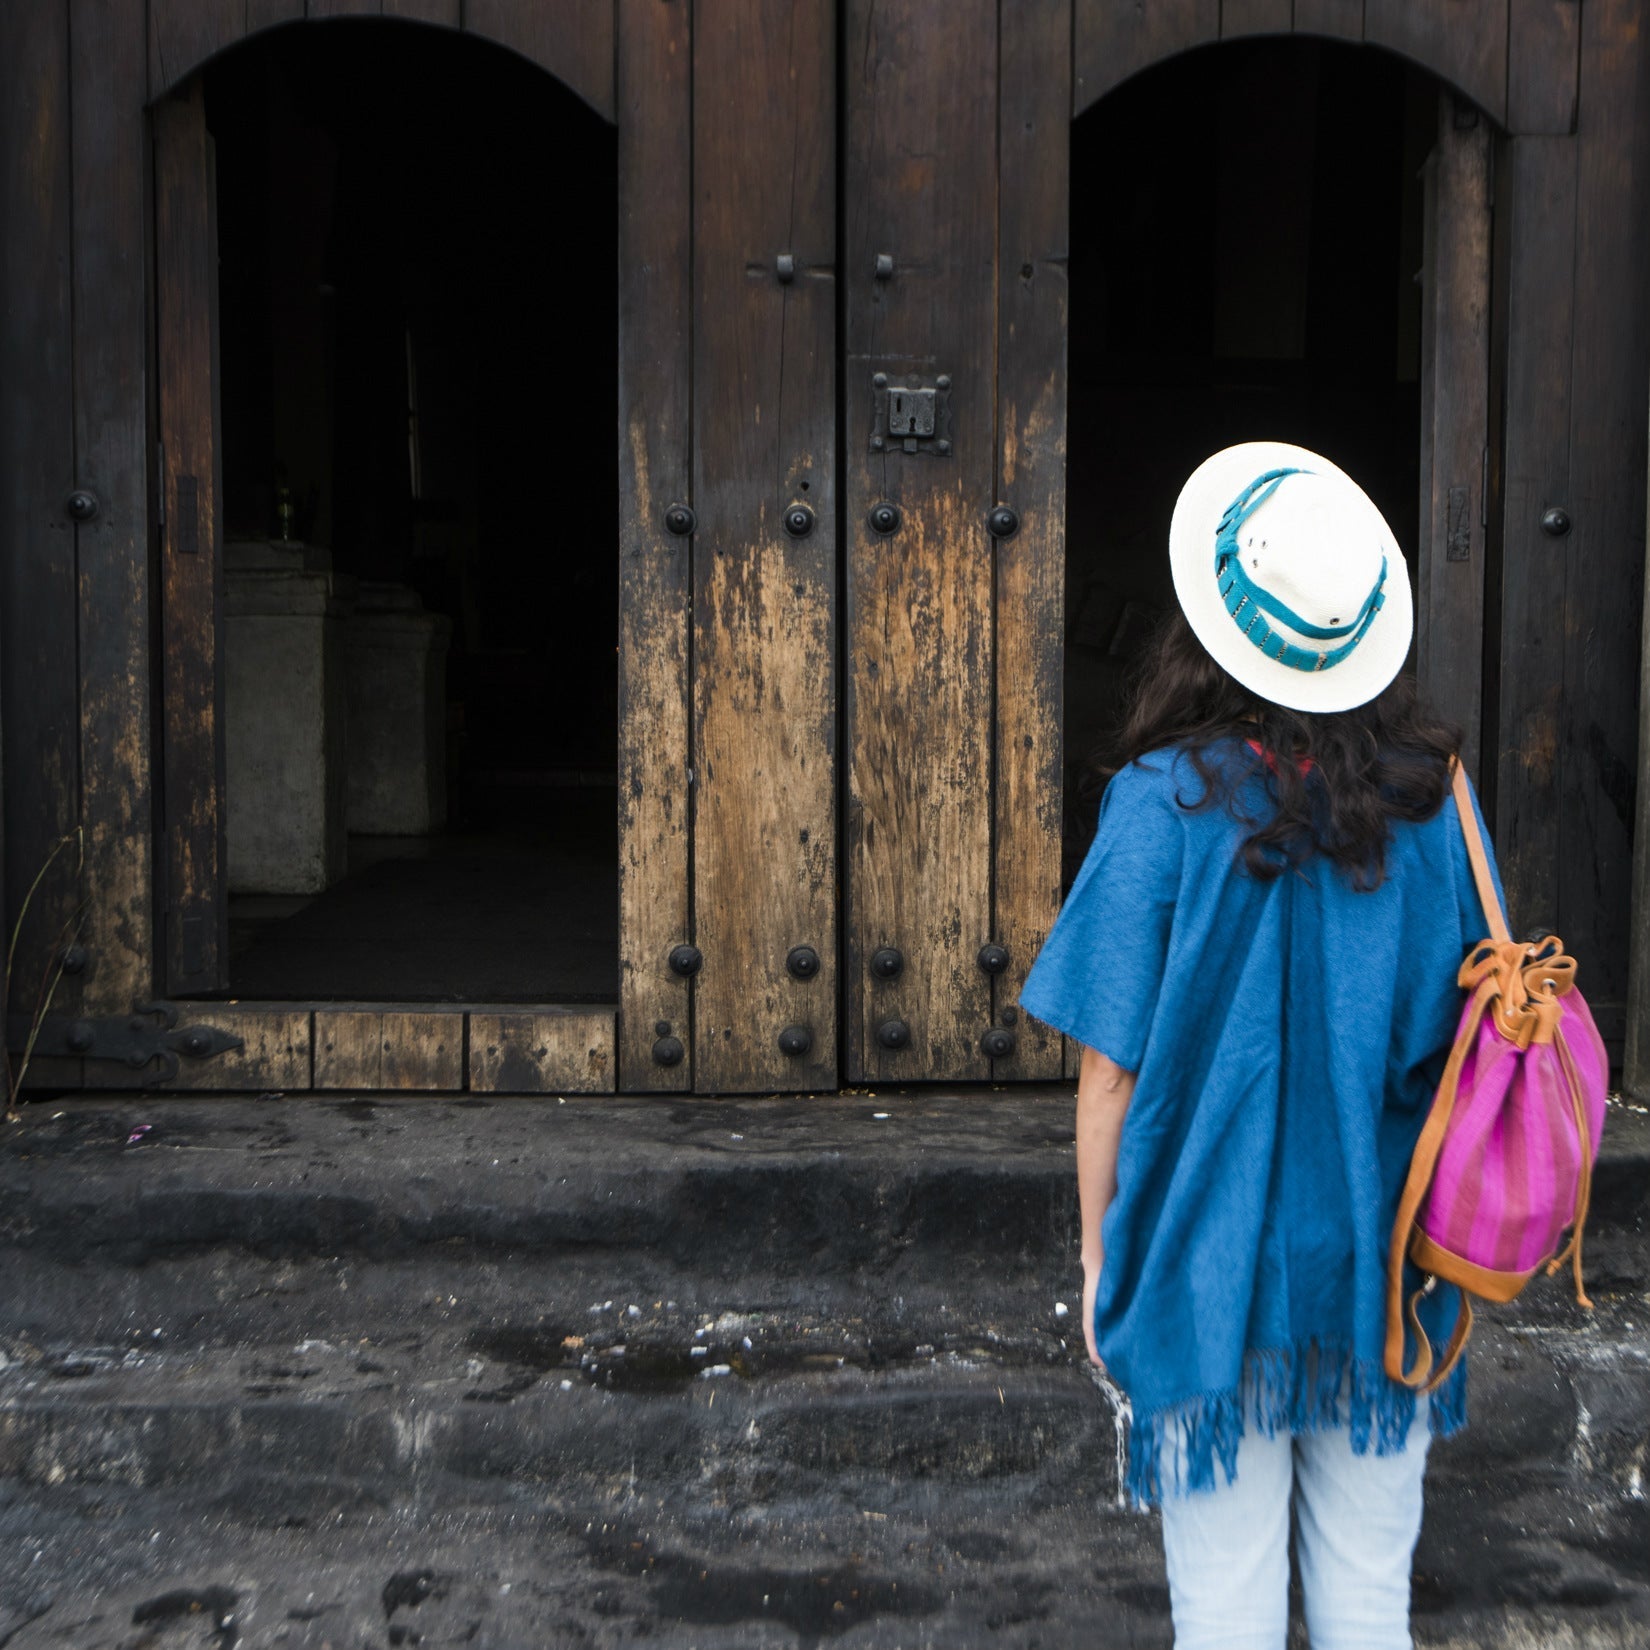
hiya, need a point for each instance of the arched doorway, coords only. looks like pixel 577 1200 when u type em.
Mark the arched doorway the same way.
pixel 417 319
pixel 720 535
pixel 901 656
pixel 1248 259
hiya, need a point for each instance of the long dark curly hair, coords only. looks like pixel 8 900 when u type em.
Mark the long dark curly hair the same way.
pixel 1386 760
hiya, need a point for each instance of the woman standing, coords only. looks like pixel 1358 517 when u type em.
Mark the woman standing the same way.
pixel 1259 958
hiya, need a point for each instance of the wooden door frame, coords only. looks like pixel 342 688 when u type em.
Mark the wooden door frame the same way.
pixel 510 1048
pixel 1516 70
pixel 687 625
pixel 1564 88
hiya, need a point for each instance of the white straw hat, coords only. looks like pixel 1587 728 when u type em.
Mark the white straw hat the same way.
pixel 1290 577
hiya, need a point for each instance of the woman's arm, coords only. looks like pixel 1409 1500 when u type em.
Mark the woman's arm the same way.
pixel 1103 1093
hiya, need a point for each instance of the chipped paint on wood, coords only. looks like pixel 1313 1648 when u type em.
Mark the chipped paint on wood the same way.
pixel 764 600
pixel 112 549
pixel 921 148
pixel 1033 301
pixel 655 194
pixel 196 938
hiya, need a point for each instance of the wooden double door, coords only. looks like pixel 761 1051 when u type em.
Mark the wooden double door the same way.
pixel 840 737
pixel 843 306
pixel 840 590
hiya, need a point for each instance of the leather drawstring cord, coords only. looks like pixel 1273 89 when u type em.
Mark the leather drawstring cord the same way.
pixel 1584 1190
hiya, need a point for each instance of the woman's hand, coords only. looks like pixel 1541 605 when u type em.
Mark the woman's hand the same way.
pixel 1091 1284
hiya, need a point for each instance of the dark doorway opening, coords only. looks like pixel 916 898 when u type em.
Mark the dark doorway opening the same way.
pixel 1246 237
pixel 418 321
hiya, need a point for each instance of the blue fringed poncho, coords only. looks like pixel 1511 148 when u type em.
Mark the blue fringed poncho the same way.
pixel 1288 1037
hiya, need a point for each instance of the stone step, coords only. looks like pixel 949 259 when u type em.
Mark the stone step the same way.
pixel 296 1503
pixel 398 1372
pixel 370 1420
pixel 850 1180
pixel 743 1395
pixel 226 1222
pixel 554 1574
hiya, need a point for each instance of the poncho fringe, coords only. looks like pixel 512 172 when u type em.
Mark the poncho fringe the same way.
pixel 1295 1389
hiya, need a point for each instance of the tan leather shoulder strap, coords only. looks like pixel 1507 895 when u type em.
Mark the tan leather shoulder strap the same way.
pixel 1475 853
pixel 1422 1164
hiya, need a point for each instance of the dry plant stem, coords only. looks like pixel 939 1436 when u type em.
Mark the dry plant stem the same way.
pixel 17 1070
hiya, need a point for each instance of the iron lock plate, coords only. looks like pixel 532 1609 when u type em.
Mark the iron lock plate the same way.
pixel 913 416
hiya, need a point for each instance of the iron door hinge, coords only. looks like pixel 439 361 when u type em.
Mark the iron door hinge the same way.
pixel 150 1032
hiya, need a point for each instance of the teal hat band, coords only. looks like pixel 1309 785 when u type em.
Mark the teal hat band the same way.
pixel 1249 603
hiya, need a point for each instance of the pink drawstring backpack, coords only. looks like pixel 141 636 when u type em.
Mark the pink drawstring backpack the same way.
pixel 1504 1163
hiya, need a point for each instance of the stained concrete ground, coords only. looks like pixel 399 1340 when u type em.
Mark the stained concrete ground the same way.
pixel 367 1372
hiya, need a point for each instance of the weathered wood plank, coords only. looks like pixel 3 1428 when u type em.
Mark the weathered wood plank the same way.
pixel 545 1051
pixel 1455 434
pixel 448 13
pixel 1034 148
pixel 1636 1057
pixel 112 549
pixel 1332 19
pixel 184 33
pixel 274 1056
pixel 1603 556
pixel 1114 39
pixel 764 600
pixel 343 8
pixel 265 14
pixel 196 931
pixel 38 598
pixel 372 1048
pixel 921 149
pixel 1543 62
pixel 655 592
pixel 1463 42
pixel 573 39
pixel 1537 201
pixel 1245 17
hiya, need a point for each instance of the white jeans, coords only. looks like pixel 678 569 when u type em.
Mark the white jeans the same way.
pixel 1357 1517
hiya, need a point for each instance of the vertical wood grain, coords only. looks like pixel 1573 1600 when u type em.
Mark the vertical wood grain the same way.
pixel 274 1055
pixel 1538 198
pixel 1249 17
pixel 196 936
pixel 547 1051
pixel 1455 433
pixel 764 601
pixel 373 1048
pixel 921 152
pixel 184 33
pixel 265 14
pixel 1034 150
pixel 573 39
pixel 1636 1057
pixel 1464 42
pixel 655 593
pixel 1118 38
pixel 1602 558
pixel 1331 19
pixel 1543 61
pixel 39 681
pixel 112 447
pixel 445 12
